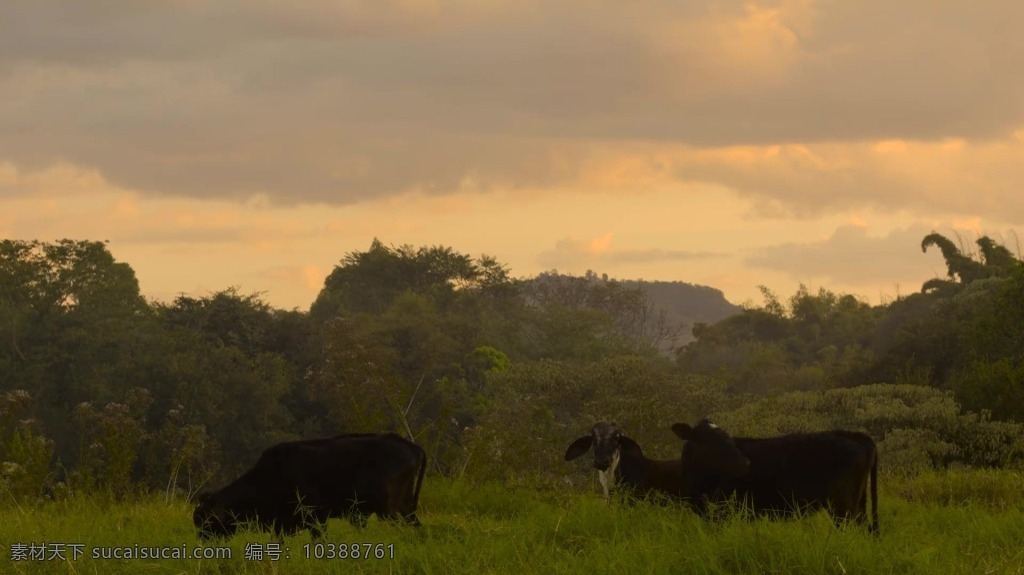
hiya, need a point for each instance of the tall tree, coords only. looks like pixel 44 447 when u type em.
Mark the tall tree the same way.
pixel 69 313
pixel 962 269
pixel 368 282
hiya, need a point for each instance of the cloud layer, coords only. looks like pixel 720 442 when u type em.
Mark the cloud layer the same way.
pixel 340 102
pixel 599 252
pixel 851 256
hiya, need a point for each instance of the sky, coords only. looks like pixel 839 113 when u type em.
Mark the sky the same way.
pixel 255 143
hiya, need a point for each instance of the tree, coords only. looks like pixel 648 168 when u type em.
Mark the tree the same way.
pixel 368 282
pixel 70 284
pixel 68 313
pixel 963 269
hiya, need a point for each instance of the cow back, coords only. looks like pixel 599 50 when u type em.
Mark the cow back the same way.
pixel 808 470
pixel 340 476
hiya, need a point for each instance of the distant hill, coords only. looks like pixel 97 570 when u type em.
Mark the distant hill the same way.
pixel 686 304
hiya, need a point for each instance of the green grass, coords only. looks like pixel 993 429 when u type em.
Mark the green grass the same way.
pixel 967 522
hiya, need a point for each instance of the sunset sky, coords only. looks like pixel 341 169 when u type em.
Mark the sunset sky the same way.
pixel 253 143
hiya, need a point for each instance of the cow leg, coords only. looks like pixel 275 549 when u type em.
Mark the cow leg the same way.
pixel 410 517
pixel 862 503
pixel 357 519
pixel 839 519
pixel 317 523
pixel 699 506
pixel 401 498
pixel 842 510
pixel 861 515
pixel 848 502
pixel 316 531
pixel 392 516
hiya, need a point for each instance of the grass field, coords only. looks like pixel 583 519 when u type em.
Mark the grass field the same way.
pixel 965 522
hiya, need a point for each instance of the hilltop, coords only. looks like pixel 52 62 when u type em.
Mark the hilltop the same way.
pixel 686 304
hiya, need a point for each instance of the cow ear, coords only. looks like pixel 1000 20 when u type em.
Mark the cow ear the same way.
pixel 627 445
pixel 578 447
pixel 682 430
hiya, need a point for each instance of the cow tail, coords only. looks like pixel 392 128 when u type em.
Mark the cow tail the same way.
pixel 874 493
pixel 419 481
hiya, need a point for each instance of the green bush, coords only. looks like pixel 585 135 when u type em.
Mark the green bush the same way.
pixel 25 453
pixel 990 488
pixel 25 474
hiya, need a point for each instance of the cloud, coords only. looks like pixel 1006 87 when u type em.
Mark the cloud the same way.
pixel 850 256
pixel 309 278
pixel 931 178
pixel 573 253
pixel 321 101
pixel 63 201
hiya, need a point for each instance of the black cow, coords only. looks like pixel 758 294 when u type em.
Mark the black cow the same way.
pixel 788 474
pixel 620 461
pixel 300 484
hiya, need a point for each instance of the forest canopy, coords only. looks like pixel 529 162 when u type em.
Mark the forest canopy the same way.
pixel 101 389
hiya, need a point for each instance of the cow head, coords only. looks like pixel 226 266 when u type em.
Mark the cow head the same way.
pixel 608 443
pixel 710 452
pixel 605 438
pixel 212 518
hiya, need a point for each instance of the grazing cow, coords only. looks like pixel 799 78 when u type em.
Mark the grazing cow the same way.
pixel 787 474
pixel 300 484
pixel 620 461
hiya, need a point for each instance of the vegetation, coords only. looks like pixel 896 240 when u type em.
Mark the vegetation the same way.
pixel 932 524
pixel 133 406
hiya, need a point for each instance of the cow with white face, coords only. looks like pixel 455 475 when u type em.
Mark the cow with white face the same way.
pixel 620 462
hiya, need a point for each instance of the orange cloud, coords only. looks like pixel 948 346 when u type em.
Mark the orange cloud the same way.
pixel 310 277
pixel 572 253
pixel 932 179
pixel 61 179
pixel 598 246
pixel 760 43
pixel 314 277
pixel 972 224
pixel 891 147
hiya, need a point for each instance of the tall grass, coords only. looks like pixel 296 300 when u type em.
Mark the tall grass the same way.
pixel 965 522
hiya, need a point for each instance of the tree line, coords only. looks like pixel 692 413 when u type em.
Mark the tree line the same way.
pixel 102 390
